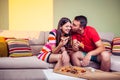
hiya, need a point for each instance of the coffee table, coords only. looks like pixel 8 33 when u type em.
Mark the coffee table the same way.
pixel 97 75
pixel 50 75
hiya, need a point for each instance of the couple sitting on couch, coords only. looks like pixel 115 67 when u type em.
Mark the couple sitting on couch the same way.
pixel 75 44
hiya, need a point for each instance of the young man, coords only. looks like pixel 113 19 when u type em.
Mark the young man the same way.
pixel 87 45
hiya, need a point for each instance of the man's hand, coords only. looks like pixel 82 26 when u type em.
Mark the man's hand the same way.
pixel 80 44
pixel 86 60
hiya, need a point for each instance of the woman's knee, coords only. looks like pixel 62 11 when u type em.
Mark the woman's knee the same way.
pixel 55 57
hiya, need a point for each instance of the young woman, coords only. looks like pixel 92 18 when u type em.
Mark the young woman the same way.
pixel 55 50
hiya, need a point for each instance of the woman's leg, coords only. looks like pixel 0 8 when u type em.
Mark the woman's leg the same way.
pixel 65 58
pixel 56 58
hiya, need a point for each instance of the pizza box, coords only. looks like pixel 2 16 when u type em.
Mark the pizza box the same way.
pixel 92 75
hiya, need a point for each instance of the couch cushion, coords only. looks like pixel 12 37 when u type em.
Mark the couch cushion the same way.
pixel 46 35
pixel 107 45
pixel 19 47
pixel 36 49
pixel 22 74
pixel 3 47
pixel 116 46
pixel 115 63
pixel 22 62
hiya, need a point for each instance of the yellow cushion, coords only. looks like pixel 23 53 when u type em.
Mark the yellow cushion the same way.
pixel 3 47
pixel 20 55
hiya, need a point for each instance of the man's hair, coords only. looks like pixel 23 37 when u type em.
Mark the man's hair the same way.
pixel 82 19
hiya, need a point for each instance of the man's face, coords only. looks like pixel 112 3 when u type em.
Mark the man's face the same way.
pixel 75 25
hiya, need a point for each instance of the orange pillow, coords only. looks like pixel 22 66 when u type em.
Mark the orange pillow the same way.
pixel 3 47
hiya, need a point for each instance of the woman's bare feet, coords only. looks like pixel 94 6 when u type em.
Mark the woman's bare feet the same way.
pixel 59 63
pixel 65 58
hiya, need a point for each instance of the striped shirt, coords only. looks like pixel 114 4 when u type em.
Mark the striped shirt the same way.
pixel 47 48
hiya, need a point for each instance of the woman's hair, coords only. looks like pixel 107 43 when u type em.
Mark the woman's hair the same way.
pixel 62 21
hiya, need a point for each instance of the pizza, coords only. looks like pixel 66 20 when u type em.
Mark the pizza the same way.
pixel 71 70
pixel 86 73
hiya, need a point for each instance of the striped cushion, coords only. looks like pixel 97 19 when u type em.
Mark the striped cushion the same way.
pixel 19 47
pixel 116 46
pixel 3 47
pixel 107 44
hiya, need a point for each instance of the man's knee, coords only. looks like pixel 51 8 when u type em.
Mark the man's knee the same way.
pixel 75 58
pixel 105 55
pixel 76 53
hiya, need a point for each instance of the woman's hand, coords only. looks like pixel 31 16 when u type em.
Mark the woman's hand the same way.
pixel 65 58
pixel 63 49
pixel 64 41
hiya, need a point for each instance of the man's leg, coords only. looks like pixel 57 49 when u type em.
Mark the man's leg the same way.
pixel 104 58
pixel 76 57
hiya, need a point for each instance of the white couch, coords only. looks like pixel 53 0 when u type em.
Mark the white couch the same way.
pixel 25 68
pixel 115 59
pixel 37 40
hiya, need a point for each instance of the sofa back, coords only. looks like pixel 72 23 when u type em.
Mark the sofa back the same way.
pixel 38 38
pixel 106 35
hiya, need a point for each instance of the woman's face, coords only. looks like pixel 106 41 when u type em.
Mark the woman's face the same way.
pixel 66 28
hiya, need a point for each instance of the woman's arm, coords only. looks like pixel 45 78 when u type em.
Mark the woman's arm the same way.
pixel 56 49
pixel 75 45
pixel 63 42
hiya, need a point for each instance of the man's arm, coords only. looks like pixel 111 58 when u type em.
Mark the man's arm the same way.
pixel 100 48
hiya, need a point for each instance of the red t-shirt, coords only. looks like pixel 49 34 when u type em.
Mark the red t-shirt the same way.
pixel 89 37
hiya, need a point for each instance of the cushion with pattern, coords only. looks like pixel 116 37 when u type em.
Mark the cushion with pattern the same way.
pixel 116 46
pixel 19 47
pixel 107 45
